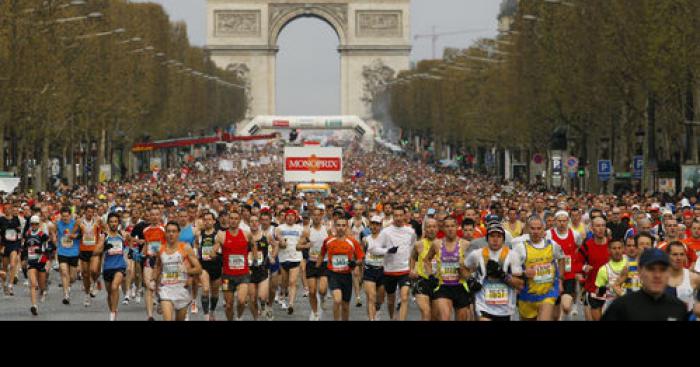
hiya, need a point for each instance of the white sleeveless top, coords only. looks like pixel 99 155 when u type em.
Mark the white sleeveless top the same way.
pixel 172 274
pixel 316 237
pixel 685 291
pixel 292 235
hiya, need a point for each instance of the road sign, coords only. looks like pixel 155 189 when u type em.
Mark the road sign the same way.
pixel 604 169
pixel 572 163
pixel 623 174
pixel 638 167
pixel 538 158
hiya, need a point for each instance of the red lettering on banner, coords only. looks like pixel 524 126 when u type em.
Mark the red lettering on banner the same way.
pixel 280 123
pixel 313 164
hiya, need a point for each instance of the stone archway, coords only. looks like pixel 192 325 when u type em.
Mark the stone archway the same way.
pixel 243 34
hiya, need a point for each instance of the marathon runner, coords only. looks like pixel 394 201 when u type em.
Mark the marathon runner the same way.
pixel 500 279
pixel 312 239
pixel 154 238
pixel 290 257
pixel 683 283
pixel 174 264
pixel 607 286
pixel 235 245
pixel 344 253
pixel 569 241
pixel 68 252
pixel 541 261
pixel 258 288
pixel 424 283
pixel 112 245
pixel 395 243
pixel 210 278
pixel 36 243
pixel 373 277
pixel 452 291
pixel 89 227
pixel 11 228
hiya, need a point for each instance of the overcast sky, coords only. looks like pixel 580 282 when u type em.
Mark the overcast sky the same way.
pixel 308 62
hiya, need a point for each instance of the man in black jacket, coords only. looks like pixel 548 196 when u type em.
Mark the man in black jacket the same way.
pixel 651 303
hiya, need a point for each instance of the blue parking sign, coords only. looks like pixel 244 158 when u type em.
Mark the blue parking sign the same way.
pixel 638 167
pixel 604 169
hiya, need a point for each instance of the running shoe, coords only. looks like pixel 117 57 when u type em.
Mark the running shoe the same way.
pixel 34 309
pixel 194 307
pixel 306 292
pixel 268 314
pixel 66 300
pixel 126 300
pixel 86 303
pixel 290 310
pixel 358 302
pixel 43 296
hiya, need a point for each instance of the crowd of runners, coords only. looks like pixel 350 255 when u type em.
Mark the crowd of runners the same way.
pixel 396 233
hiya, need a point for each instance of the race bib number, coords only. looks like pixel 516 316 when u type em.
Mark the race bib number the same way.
pixel 117 247
pixel 32 255
pixel 11 235
pixel 313 254
pixel 154 247
pixel 544 273
pixel 567 264
pixel 171 273
pixel 236 262
pixel 450 272
pixel 66 241
pixel 340 262
pixel 89 240
pixel 207 253
pixel 260 258
pixel 496 294
pixel 375 260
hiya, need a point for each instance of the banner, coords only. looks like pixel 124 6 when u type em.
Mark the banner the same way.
pixel 156 164
pixel 105 172
pixel 667 185
pixel 226 165
pixel 690 177
pixel 8 184
pixel 313 164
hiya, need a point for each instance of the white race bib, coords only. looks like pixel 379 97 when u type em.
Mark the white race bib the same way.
pixel 340 262
pixel 567 263
pixel 117 247
pixel 66 241
pixel 544 273
pixel 496 294
pixel 89 240
pixel 236 262
pixel 11 235
pixel 207 253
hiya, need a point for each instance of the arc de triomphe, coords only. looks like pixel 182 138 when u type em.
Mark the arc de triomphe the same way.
pixel 374 43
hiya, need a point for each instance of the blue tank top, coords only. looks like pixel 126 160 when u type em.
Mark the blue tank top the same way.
pixel 187 235
pixel 114 253
pixel 66 246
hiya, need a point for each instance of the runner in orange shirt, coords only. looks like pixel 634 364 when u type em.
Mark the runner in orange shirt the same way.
pixel 693 242
pixel 344 253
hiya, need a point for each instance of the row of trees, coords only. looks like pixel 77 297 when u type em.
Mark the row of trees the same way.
pixel 104 74
pixel 599 70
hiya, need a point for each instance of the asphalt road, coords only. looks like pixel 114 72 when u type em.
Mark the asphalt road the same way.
pixel 16 308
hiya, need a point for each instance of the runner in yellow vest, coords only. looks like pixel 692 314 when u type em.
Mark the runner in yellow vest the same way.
pixel 424 283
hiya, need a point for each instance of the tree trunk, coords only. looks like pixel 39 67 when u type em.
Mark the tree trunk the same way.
pixel 101 149
pixel 45 162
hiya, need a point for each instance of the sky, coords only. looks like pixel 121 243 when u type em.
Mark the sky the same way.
pixel 308 75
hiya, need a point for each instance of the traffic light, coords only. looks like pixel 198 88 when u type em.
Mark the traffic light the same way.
pixel 581 172
pixel 293 135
